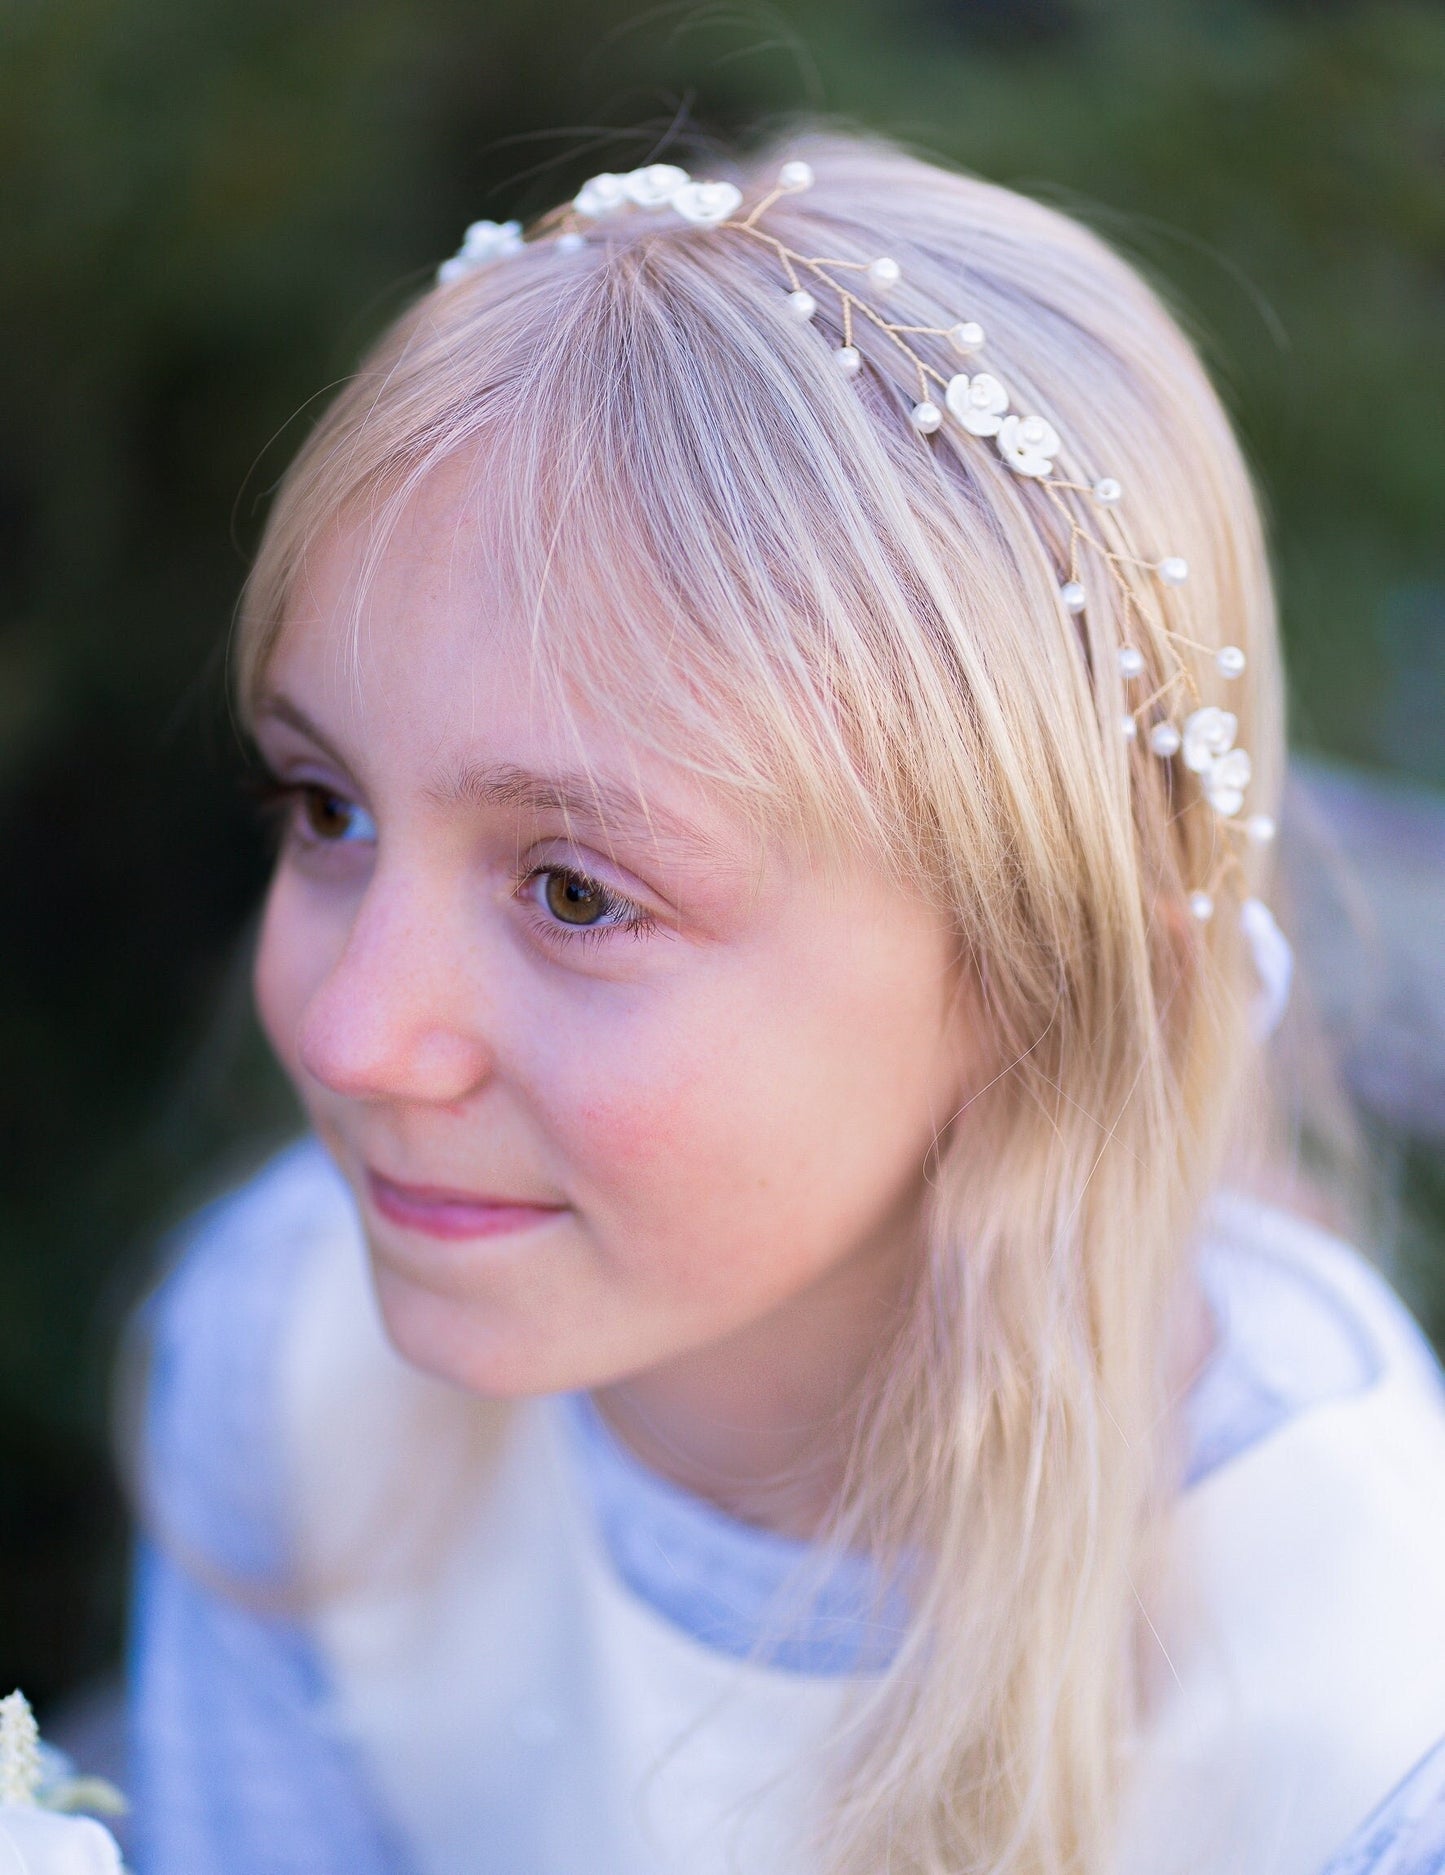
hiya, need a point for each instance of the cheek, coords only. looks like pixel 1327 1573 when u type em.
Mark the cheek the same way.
pixel 654 1104
pixel 723 1125
pixel 736 1143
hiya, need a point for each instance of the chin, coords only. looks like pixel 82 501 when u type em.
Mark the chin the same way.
pixel 480 1349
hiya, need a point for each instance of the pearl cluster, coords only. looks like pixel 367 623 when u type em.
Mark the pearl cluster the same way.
pixel 979 404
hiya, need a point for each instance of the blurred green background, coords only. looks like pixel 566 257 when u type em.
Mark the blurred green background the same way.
pixel 208 206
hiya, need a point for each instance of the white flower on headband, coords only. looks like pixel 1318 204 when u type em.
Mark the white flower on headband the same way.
pixel 1208 745
pixel 658 185
pixel 1028 444
pixel 483 241
pixel 599 195
pixel 1208 733
pixel 1225 781
pixel 706 202
pixel 654 185
pixel 978 402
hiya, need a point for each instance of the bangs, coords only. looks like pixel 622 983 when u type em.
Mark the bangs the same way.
pixel 707 537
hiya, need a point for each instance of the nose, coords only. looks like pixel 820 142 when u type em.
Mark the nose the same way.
pixel 401 1014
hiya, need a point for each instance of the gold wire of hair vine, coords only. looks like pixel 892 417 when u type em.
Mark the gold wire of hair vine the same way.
pixel 1204 740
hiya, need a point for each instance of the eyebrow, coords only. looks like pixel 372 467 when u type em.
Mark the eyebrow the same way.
pixel 582 797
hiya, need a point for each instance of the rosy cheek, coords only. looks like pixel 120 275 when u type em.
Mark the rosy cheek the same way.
pixel 634 1125
pixel 660 1111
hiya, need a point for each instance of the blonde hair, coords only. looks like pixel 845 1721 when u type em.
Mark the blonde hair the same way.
pixel 760 567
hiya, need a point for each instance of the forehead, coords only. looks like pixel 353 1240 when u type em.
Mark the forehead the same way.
pixel 410 639
pixel 388 553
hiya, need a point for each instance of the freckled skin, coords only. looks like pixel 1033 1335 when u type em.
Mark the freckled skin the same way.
pixel 734 1109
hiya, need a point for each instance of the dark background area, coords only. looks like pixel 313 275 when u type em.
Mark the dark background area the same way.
pixel 208 206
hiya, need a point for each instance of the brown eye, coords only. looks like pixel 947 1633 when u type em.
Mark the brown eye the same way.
pixel 327 816
pixel 574 899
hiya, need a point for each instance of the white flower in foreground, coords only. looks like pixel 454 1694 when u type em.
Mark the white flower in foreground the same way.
pixel 35 1838
pixel 42 1842
pixel 20 1772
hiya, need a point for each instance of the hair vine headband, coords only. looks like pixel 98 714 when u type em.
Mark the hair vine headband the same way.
pixel 1205 737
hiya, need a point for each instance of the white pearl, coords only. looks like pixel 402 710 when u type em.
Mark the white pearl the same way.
pixel 926 417
pixel 966 336
pixel 1131 661
pixel 1230 660
pixel 1173 571
pixel 1073 596
pixel 1107 489
pixel 848 359
pixel 1201 906
pixel 803 303
pixel 1260 829
pixel 1129 728
pixel 1164 739
pixel 884 272
pixel 571 242
pixel 795 175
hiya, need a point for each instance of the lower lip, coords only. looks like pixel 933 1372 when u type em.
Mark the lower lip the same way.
pixel 437 1214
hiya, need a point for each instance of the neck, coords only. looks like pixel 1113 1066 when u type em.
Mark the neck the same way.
pixel 761 1423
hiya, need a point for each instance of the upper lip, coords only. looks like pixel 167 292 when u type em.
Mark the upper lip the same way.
pixel 450 1194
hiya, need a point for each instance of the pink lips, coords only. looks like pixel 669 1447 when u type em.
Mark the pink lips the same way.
pixel 452 1214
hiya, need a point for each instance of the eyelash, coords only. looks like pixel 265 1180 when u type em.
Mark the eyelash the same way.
pixel 635 920
pixel 279 800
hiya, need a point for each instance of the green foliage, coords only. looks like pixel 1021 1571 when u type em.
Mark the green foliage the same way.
pixel 210 205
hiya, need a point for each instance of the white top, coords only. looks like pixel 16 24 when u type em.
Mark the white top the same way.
pixel 540 1709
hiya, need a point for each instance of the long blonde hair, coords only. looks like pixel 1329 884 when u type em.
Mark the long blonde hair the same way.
pixel 760 567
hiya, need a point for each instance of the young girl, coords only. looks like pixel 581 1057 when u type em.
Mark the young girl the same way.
pixel 767 1361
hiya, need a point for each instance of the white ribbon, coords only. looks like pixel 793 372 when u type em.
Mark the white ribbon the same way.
pixel 1273 963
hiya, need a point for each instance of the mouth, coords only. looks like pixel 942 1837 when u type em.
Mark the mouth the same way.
pixel 438 1212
